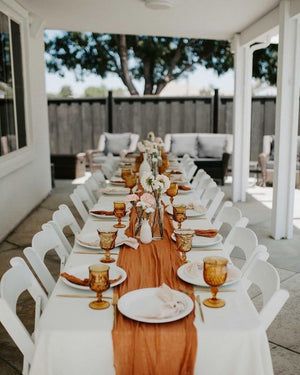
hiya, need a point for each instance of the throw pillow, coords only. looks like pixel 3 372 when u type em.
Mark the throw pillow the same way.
pixel 212 146
pixel 117 142
pixel 184 144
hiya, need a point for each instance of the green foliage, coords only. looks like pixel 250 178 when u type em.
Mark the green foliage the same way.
pixel 156 60
pixel 65 92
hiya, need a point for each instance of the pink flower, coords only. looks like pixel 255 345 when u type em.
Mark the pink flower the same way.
pixel 148 199
pixel 132 198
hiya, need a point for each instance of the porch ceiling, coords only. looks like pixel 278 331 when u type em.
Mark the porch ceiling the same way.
pixel 207 19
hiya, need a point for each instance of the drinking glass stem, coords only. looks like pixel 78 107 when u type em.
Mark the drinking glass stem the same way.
pixel 107 255
pixel 99 296
pixel 214 291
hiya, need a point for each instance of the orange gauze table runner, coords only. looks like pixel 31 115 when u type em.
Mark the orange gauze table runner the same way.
pixel 141 348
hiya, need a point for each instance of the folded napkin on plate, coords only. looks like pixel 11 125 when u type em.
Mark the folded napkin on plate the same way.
pixel 117 180
pixel 195 207
pixel 169 305
pixel 122 239
pixel 102 212
pixel 176 172
pixel 184 187
pixel 83 282
pixel 194 269
pixel 75 280
pixel 206 232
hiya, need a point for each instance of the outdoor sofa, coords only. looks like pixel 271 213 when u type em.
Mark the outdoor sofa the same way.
pixel 210 151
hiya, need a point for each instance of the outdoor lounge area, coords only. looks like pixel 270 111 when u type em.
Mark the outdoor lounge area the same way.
pixel 144 233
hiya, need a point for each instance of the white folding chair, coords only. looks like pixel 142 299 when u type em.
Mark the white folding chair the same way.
pixel 61 219
pixel 198 177
pixel 92 188
pixel 82 201
pixel 190 170
pixel 211 199
pixel 246 240
pixel 42 243
pixel 13 283
pixel 203 184
pixel 230 215
pixel 99 177
pixel 266 277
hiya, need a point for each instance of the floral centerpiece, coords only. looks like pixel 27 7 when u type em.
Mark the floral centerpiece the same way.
pixel 156 185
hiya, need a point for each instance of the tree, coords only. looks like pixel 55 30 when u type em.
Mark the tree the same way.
pixel 99 91
pixel 65 92
pixel 156 60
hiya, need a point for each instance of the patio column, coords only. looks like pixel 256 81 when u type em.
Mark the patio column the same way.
pixel 286 128
pixel 243 60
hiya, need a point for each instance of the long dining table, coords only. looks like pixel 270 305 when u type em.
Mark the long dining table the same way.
pixel 73 339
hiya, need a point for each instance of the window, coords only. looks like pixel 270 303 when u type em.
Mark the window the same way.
pixel 12 108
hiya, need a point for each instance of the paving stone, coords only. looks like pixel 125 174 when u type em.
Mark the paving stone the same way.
pixel 23 234
pixel 284 361
pixel 5 246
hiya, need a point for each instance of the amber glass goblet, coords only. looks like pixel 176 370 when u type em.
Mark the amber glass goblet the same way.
pixel 130 181
pixel 184 240
pixel 172 192
pixel 99 282
pixel 214 274
pixel 179 214
pixel 126 171
pixel 107 243
pixel 119 212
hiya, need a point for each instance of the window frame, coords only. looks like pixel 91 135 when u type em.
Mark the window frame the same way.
pixel 20 157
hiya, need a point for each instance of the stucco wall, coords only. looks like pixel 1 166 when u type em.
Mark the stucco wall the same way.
pixel 24 188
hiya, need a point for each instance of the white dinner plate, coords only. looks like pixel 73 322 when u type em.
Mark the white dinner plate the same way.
pixel 116 191
pixel 82 272
pixel 233 275
pixel 199 241
pixel 106 217
pixel 185 192
pixel 201 211
pixel 130 303
pixel 88 240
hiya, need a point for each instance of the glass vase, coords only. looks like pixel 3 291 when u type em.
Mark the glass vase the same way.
pixel 157 221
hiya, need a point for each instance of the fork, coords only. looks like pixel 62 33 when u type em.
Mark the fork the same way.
pixel 198 299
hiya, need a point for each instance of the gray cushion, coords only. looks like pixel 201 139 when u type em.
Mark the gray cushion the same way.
pixel 211 146
pixel 184 143
pixel 117 142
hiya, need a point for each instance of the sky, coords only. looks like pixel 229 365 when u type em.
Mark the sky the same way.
pixel 195 82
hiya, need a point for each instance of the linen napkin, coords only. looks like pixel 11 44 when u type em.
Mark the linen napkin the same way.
pixel 83 282
pixel 168 305
pixel 194 269
pixel 184 187
pixel 122 239
pixel 210 233
pixel 102 212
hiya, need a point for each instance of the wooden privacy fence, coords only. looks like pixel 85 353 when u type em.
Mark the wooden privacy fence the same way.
pixel 76 124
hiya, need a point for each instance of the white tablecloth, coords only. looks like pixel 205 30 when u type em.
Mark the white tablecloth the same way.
pixel 73 339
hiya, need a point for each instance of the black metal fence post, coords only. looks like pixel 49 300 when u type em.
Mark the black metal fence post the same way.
pixel 216 111
pixel 110 111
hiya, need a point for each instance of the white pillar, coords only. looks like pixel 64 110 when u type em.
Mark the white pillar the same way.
pixel 286 128
pixel 241 119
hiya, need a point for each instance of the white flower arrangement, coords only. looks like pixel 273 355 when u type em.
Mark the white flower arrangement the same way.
pixel 159 184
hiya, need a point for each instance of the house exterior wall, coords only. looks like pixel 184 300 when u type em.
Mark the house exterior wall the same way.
pixel 25 177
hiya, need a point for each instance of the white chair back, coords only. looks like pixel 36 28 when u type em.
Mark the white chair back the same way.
pixel 42 243
pixel 82 201
pixel 211 200
pixel 190 170
pixel 61 219
pixel 198 177
pixel 246 240
pixel 230 215
pixel 266 277
pixel 99 177
pixel 92 188
pixel 203 184
pixel 13 283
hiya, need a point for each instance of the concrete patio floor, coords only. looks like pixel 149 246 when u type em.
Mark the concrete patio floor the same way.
pixel 284 333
